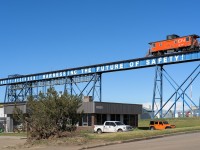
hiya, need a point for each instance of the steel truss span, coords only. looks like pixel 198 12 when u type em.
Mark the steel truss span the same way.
pixel 103 68
pixel 73 85
pixel 87 80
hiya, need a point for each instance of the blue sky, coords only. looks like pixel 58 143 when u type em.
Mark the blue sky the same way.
pixel 45 35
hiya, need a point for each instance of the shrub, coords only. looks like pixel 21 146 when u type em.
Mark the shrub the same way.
pixel 51 114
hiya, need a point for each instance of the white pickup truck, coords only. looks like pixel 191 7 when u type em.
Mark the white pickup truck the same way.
pixel 112 126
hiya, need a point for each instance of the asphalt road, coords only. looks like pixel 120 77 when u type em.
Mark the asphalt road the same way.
pixel 179 142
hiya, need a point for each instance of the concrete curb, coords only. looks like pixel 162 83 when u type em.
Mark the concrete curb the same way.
pixel 139 139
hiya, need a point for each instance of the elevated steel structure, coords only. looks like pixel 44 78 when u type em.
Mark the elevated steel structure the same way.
pixel 179 92
pixel 18 87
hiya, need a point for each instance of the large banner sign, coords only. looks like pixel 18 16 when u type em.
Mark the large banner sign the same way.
pixel 107 67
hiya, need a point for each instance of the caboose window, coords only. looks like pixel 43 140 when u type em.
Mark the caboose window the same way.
pixel 187 39
pixel 160 44
pixel 175 41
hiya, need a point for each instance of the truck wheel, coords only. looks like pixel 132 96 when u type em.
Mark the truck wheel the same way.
pixel 120 130
pixel 99 131
pixel 168 128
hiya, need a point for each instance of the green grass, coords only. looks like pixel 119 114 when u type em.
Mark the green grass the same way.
pixel 182 125
pixel 179 122
pixel 137 133
pixel 24 134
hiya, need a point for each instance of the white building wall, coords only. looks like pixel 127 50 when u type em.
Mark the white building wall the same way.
pixel 2 112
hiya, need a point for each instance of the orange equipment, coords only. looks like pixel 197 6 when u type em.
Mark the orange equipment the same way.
pixel 160 125
pixel 174 43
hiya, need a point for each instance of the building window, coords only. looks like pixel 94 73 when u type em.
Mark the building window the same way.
pixel 101 118
pixel 131 120
pixel 104 118
pixel 117 117
pixel 87 120
pixel 126 119
pixel 112 117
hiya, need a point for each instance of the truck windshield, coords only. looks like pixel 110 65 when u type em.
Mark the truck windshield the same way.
pixel 119 123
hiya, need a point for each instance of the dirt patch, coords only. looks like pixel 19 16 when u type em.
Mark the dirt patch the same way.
pixel 7 142
pixel 20 143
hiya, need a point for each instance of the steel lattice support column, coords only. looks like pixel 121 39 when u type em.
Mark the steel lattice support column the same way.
pixel 179 93
pixel 92 87
pixel 17 92
pixel 158 90
pixel 97 86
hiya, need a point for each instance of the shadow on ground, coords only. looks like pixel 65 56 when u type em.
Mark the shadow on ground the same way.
pixel 143 128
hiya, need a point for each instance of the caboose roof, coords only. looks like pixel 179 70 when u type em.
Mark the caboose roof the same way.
pixel 193 35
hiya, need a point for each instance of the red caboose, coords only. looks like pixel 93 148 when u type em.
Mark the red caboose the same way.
pixel 174 43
